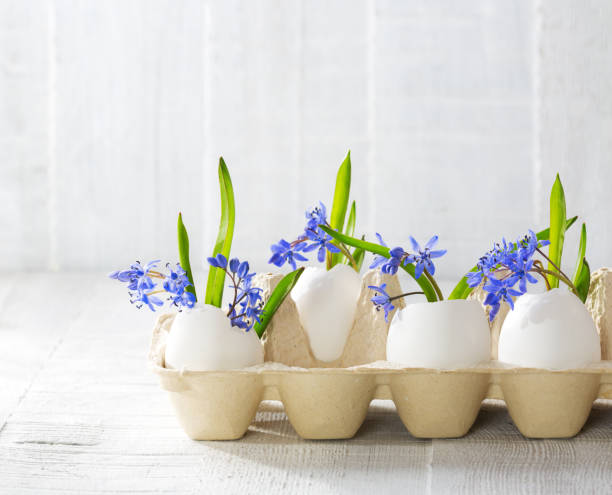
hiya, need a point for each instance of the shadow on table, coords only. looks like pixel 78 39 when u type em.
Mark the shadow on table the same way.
pixel 382 424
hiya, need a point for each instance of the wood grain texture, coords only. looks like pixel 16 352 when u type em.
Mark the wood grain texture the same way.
pixel 82 413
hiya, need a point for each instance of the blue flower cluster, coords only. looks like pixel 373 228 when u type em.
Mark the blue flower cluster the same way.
pixel 503 268
pixel 141 285
pixel 247 306
pixel 382 300
pixel 313 238
pixel 421 257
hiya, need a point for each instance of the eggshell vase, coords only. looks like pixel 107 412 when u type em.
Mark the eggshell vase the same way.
pixel 203 338
pixel 441 335
pixel 287 342
pixel 551 330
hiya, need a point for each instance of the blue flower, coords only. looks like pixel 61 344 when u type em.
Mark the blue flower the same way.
pixel 142 298
pixel 284 252
pixel 499 291
pixel 528 245
pixel 505 266
pixel 424 256
pixel 218 261
pixel 183 299
pixel 176 284
pixel 137 277
pixel 315 217
pixel 378 259
pixel 322 242
pixel 177 281
pixel 247 306
pixel 382 300
pixel 313 238
pixel 141 286
pixel 521 274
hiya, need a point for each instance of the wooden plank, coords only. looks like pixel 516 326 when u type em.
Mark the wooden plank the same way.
pixel 495 457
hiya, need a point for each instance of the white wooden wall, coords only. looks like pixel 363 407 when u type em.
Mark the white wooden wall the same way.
pixel 458 114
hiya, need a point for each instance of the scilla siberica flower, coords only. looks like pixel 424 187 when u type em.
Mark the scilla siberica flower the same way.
pixel 381 299
pixel 141 285
pixel 247 306
pixel 397 256
pixel 504 267
pixel 313 238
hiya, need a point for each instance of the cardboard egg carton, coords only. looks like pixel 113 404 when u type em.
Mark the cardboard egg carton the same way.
pixel 331 403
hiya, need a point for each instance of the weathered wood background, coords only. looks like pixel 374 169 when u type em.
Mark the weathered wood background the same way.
pixel 458 115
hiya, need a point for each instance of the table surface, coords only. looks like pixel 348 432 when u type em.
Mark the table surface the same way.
pixel 81 412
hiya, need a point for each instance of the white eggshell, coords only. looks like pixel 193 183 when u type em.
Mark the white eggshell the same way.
pixel 550 330
pixel 203 339
pixel 326 302
pixel 445 335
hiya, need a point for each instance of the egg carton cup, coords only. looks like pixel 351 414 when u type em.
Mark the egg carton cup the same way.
pixel 287 342
pixel 332 403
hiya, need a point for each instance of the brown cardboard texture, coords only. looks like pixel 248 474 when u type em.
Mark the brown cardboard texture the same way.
pixel 286 341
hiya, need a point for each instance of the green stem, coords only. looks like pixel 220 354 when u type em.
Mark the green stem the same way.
pixel 434 285
pixel 423 282
pixel 406 294
pixel 561 277
pixel 553 264
pixel 345 252
pixel 348 254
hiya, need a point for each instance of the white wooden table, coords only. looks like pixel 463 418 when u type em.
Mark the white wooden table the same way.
pixel 81 413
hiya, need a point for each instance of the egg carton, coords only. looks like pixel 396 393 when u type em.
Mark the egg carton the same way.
pixel 332 403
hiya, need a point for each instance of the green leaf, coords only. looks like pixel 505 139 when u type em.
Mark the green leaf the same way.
pixel 280 292
pixel 557 229
pixel 462 290
pixel 582 275
pixel 581 253
pixel 583 282
pixel 358 256
pixel 544 235
pixel 350 224
pixel 350 228
pixel 425 285
pixel 183 247
pixel 216 276
pixel 340 204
